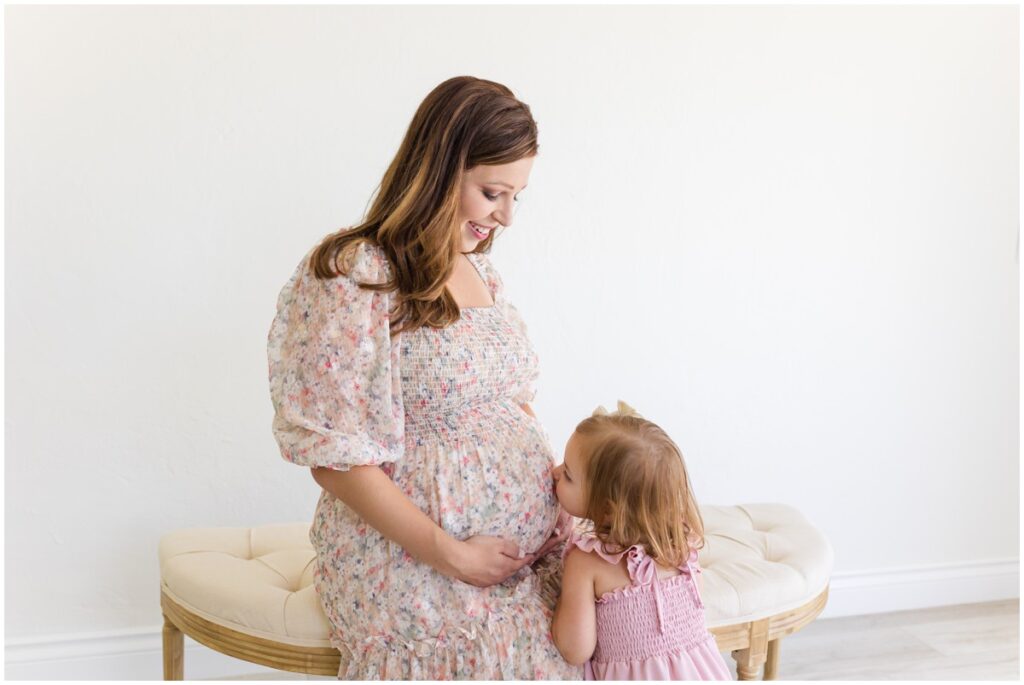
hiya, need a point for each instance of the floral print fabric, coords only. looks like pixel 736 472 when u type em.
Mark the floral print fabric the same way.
pixel 439 411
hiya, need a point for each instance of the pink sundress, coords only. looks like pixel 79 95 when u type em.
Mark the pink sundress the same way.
pixel 439 411
pixel 654 628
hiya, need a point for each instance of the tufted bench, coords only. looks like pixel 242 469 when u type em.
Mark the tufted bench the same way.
pixel 248 593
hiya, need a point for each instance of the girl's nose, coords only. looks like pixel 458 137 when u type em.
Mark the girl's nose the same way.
pixel 557 473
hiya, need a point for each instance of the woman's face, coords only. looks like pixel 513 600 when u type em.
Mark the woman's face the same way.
pixel 569 479
pixel 488 198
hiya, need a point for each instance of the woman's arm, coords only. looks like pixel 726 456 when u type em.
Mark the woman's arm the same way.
pixel 574 626
pixel 481 560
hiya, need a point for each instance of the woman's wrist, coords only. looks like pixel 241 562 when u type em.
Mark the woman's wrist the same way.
pixel 448 555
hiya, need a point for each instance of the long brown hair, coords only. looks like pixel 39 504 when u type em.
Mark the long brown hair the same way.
pixel 462 123
pixel 637 488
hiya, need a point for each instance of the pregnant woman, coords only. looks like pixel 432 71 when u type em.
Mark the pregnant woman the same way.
pixel 401 375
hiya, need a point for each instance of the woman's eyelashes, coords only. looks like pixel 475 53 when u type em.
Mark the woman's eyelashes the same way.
pixel 492 198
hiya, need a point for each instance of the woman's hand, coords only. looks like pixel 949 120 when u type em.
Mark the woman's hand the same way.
pixel 484 560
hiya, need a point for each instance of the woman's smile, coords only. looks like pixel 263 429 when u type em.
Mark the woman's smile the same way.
pixel 479 231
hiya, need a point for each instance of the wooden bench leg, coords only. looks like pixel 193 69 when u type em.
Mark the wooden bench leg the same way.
pixel 174 652
pixel 771 666
pixel 750 660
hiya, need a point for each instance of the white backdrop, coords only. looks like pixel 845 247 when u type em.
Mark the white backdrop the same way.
pixel 789 235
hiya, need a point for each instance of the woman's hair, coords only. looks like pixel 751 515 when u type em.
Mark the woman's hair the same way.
pixel 637 490
pixel 462 123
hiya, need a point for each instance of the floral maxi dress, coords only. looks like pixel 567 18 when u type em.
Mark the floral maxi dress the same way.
pixel 438 410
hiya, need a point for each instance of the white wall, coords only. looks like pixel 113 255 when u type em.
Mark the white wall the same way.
pixel 789 235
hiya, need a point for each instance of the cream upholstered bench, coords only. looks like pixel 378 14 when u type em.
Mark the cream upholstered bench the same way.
pixel 766 575
pixel 247 592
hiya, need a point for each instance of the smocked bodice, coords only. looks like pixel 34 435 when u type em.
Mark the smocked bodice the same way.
pixel 458 378
pixel 652 619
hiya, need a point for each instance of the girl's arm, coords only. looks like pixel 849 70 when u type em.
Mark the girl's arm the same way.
pixel 574 626
pixel 481 560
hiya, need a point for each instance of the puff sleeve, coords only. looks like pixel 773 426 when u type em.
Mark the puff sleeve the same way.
pixel 335 380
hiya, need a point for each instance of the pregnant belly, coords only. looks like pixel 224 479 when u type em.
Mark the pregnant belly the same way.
pixel 491 477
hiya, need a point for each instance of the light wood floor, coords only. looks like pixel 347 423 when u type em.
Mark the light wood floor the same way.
pixel 966 642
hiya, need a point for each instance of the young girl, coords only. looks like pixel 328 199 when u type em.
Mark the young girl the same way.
pixel 630 606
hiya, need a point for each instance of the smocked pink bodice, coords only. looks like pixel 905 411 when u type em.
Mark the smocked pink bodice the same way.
pixel 653 629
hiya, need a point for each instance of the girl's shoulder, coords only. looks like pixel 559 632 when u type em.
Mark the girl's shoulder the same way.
pixel 589 558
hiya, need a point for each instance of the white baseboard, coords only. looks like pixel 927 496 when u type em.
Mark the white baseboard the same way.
pixel 136 654
pixel 121 655
pixel 921 587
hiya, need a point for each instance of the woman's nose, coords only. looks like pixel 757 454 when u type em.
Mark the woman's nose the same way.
pixel 507 210
pixel 557 473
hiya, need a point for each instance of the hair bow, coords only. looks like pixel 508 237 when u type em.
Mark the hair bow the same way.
pixel 622 410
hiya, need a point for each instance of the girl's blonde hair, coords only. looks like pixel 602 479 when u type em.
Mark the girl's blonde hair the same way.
pixel 462 123
pixel 637 489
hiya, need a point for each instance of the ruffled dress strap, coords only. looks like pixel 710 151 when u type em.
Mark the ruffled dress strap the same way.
pixel 488 273
pixel 691 567
pixel 588 542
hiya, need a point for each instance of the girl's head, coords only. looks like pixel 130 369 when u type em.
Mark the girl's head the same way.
pixel 468 151
pixel 623 473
